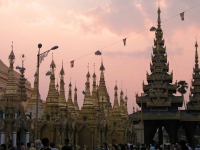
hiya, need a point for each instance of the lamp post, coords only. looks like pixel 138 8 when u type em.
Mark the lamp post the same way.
pixel 40 58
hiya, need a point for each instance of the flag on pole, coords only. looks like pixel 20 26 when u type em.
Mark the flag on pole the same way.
pixel 124 41
pixel 72 63
pixel 97 53
pixel 182 16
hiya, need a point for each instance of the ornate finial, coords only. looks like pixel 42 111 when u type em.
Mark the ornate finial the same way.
pixel 196 55
pixel 22 57
pixel 12 46
pixel 22 69
pixel 62 72
pixel 11 57
pixel 75 87
pixel 102 68
pixel 53 65
pixel 196 45
pixel 88 67
pixel 57 84
pixel 70 82
pixel 116 85
pixel 159 20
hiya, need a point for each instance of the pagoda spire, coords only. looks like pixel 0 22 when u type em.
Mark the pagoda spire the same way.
pixel 116 104
pixel 125 103
pixel 76 107
pixel 11 86
pixel 87 84
pixel 122 105
pixel 102 69
pixel 196 56
pixel 159 20
pixel 32 102
pixel 61 98
pixel 102 87
pixel 34 93
pixel 194 90
pixel 70 103
pixel 94 92
pixel 21 87
pixel 87 97
pixel 52 93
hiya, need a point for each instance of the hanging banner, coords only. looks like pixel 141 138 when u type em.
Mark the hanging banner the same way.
pixel 182 16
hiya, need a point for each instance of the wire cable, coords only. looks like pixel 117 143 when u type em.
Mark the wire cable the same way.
pixel 125 37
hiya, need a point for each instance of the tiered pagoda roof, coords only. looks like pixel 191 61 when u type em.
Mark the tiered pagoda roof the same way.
pixel 193 106
pixel 159 90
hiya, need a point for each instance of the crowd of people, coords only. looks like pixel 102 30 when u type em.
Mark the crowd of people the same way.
pixel 44 144
pixel 181 145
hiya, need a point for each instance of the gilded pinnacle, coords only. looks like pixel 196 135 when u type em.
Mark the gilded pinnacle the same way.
pixel 116 88
pixel 62 72
pixel 70 85
pixel 88 75
pixel 75 89
pixel 159 20
pixel 196 56
pixel 94 75
pixel 52 65
pixel 102 68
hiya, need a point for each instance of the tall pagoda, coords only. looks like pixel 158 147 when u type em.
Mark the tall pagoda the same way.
pixel 193 106
pixel 158 103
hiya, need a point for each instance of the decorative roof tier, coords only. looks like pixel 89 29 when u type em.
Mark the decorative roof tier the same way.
pixel 158 93
pixel 194 102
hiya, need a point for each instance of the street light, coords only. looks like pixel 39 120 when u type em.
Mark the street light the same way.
pixel 40 58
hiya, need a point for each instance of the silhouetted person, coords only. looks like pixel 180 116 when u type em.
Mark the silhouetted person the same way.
pixel 67 142
pixel 114 147
pixel 182 145
pixel 9 145
pixel 52 146
pixel 3 146
pixel 66 148
pixel 45 142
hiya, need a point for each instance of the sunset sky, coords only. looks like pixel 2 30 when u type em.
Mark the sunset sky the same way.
pixel 80 27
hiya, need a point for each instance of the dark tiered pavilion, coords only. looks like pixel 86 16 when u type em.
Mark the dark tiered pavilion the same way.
pixel 160 107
